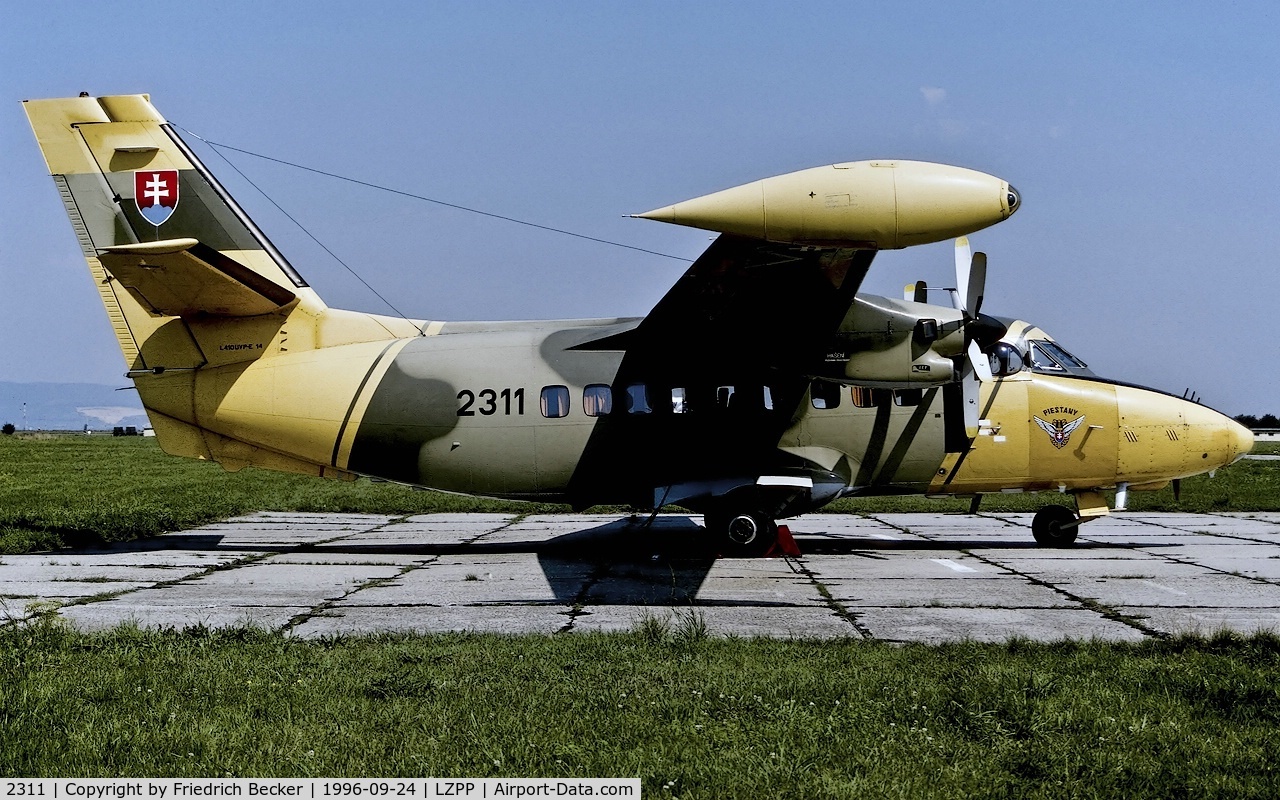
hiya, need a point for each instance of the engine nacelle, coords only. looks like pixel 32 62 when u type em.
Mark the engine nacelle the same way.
pixel 886 343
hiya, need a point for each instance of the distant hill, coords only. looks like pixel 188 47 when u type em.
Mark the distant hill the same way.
pixel 70 406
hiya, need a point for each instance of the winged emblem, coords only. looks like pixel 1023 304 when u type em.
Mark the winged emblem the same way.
pixel 1059 430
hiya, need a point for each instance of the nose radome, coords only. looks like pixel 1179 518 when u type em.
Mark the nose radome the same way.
pixel 1241 441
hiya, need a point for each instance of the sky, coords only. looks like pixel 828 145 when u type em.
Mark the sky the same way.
pixel 1142 137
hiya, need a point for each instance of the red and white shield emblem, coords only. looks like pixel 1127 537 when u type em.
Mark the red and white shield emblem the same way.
pixel 155 191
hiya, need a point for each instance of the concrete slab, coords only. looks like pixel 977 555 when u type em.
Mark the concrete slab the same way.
pixel 112 613
pixel 505 619
pixel 513 580
pixel 790 623
pixel 1058 570
pixel 921 564
pixel 1207 591
pixel 907 577
pixel 936 625
pixel 63 589
pixel 1207 621
pixel 1000 593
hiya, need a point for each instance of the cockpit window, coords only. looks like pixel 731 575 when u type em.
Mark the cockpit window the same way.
pixel 1062 356
pixel 1049 357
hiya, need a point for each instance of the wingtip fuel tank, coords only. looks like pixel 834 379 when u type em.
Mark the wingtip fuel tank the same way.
pixel 876 204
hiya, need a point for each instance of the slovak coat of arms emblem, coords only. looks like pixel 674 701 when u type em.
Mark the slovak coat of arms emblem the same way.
pixel 1059 430
pixel 155 192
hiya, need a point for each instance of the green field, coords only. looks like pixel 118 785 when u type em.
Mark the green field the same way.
pixel 691 715
pixel 58 491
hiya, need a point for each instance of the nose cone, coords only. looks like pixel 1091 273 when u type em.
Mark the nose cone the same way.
pixel 1012 200
pixel 1165 437
pixel 1241 441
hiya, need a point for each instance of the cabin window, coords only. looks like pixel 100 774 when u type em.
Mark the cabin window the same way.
pixel 862 397
pixel 907 397
pixel 768 399
pixel 597 400
pixel 724 396
pixel 678 405
pixel 824 394
pixel 555 401
pixel 638 399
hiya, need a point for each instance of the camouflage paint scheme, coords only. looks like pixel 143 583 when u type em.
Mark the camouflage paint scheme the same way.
pixel 237 360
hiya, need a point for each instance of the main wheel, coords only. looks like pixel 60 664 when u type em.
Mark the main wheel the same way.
pixel 744 533
pixel 1055 526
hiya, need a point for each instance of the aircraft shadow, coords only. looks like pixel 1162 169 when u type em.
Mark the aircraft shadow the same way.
pixel 624 562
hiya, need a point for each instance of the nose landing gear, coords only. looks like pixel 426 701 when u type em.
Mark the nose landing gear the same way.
pixel 1055 526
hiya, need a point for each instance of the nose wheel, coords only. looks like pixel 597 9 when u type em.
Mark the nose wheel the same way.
pixel 1055 526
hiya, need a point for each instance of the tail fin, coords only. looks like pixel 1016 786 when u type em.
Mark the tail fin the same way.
pixel 221 335
pixel 163 239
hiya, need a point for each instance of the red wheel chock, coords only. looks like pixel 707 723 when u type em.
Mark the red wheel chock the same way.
pixel 785 544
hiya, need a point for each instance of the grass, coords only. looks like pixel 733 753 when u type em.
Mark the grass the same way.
pixel 59 491
pixel 692 716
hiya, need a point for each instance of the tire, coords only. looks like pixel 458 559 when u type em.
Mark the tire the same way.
pixel 744 533
pixel 1055 526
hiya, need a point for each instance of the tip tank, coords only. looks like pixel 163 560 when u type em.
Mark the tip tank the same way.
pixel 877 204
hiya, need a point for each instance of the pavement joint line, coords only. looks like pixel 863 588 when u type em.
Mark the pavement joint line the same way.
pixel 1190 563
pixel 577 608
pixel 835 605
pixel 888 524
pixel 1225 515
pixel 1103 610
pixel 1237 536
pixel 237 563
pixel 104 596
pixel 330 603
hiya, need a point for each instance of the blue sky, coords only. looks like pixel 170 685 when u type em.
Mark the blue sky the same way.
pixel 1142 137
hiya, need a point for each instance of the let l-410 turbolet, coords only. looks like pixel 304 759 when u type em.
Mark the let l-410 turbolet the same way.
pixel 761 386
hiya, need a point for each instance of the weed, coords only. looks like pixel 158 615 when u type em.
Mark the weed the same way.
pixel 652 630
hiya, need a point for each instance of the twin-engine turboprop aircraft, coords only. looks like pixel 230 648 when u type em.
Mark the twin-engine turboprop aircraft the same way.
pixel 760 387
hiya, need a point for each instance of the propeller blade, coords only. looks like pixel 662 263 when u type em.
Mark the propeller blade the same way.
pixel 964 257
pixel 977 285
pixel 922 292
pixel 909 292
pixel 970 390
pixel 978 362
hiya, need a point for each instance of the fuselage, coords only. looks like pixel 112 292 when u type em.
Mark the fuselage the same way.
pixel 532 410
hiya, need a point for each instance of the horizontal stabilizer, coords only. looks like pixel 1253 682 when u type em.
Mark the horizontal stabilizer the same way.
pixel 184 278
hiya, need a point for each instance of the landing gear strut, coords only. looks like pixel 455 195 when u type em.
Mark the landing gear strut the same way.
pixel 1055 526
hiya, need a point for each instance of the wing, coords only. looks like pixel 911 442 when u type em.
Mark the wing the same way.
pixel 747 306
pixel 742 330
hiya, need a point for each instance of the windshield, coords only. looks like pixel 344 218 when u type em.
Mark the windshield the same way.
pixel 1049 356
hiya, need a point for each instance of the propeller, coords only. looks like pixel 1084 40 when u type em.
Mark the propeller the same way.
pixel 971 282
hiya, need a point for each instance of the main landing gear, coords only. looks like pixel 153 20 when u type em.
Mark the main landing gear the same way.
pixel 743 533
